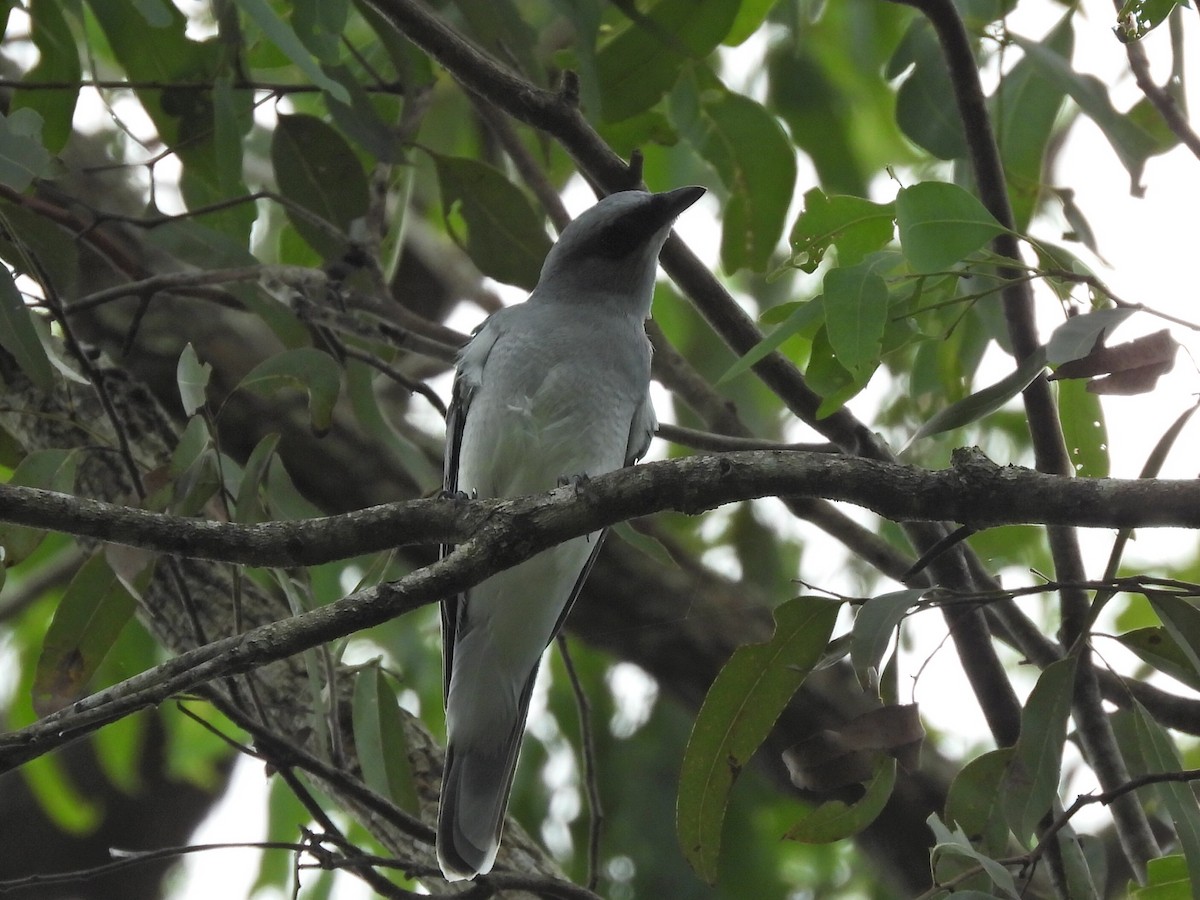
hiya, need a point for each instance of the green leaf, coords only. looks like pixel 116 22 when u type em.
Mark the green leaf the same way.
pixel 360 386
pixel 741 708
pixel 379 740
pixel 925 107
pixel 829 378
pixel 22 154
pixel 1137 18
pixel 18 336
pixel 306 368
pixel 856 227
pixel 1077 337
pixel 940 224
pixel 1025 108
pixel 192 377
pixel 248 509
pixel 641 63
pixel 51 470
pixel 1082 420
pixel 505 235
pixel 750 16
pixel 1156 647
pixel 1031 780
pixel 1178 799
pixel 974 802
pixel 956 843
pixel 856 311
pixel 1167 878
pixel 1182 622
pixel 874 625
pixel 317 170
pixel 58 60
pixel 752 156
pixel 89 617
pixel 984 402
pixel 285 38
pixel 804 315
pixel 835 820
pixel 1132 143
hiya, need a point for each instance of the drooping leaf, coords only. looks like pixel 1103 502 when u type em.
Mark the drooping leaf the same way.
pixel 317 170
pixel 874 625
pixel 18 335
pixel 1031 780
pixel 58 61
pixel 306 368
pixel 856 227
pixel 1132 143
pixel 985 401
pixel 752 156
pixel 741 707
pixel 856 312
pixel 505 236
pixel 192 377
pixel 1084 431
pixel 90 615
pixel 379 740
pixel 940 224
pixel 248 509
pixel 1182 621
pixel 1167 878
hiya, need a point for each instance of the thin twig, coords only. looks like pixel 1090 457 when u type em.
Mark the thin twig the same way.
pixel 590 769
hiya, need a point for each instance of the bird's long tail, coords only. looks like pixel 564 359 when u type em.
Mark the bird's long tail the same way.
pixel 476 782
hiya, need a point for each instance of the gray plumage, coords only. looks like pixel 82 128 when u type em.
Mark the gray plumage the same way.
pixel 552 388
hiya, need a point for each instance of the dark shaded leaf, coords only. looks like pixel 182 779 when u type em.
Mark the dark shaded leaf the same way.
pixel 285 38
pixel 1137 18
pixel 317 170
pixel 804 315
pixel 22 155
pixel 974 802
pixel 505 235
pixel 925 107
pixel 307 368
pixel 1179 800
pixel 1159 649
pixel 51 470
pixel 957 843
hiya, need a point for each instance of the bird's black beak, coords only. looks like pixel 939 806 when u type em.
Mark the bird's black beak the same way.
pixel 671 203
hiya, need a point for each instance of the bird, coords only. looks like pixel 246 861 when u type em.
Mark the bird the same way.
pixel 550 391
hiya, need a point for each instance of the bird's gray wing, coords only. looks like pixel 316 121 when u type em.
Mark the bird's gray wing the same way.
pixel 641 432
pixel 466 382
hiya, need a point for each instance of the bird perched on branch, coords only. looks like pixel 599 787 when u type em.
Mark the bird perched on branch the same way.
pixel 551 390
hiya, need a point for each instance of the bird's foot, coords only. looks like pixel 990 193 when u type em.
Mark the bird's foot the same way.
pixel 578 482
pixel 454 495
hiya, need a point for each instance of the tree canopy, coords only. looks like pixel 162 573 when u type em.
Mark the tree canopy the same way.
pixel 243 241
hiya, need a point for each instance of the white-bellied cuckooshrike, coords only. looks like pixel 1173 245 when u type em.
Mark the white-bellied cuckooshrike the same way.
pixel 553 388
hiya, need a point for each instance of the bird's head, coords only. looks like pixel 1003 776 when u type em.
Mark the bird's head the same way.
pixel 610 252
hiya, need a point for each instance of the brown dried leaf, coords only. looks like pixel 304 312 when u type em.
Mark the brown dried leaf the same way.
pixel 1150 356
pixel 832 760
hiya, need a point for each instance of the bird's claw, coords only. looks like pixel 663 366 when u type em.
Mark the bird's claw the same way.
pixel 453 495
pixel 577 481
